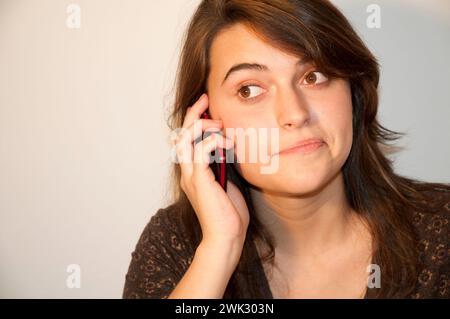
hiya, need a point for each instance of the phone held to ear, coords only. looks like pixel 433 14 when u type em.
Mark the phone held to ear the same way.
pixel 220 168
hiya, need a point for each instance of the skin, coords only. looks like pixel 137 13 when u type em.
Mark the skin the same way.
pixel 322 247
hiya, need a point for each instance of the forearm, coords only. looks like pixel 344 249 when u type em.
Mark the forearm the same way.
pixel 210 271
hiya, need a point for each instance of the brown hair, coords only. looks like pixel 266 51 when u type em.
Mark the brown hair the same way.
pixel 318 31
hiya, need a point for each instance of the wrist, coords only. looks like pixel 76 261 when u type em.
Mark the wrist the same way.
pixel 222 252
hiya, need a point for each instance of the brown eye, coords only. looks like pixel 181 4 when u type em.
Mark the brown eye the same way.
pixel 315 77
pixel 246 92
pixel 311 78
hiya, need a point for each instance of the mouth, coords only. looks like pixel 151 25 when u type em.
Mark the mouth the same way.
pixel 303 147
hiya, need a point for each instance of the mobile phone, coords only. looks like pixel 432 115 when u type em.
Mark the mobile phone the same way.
pixel 220 168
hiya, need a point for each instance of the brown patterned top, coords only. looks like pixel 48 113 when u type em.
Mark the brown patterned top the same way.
pixel 163 254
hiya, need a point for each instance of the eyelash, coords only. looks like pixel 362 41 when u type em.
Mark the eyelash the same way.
pixel 254 84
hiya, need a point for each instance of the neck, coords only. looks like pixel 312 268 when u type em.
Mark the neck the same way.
pixel 306 225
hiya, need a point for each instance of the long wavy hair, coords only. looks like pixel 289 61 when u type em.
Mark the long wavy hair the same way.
pixel 317 30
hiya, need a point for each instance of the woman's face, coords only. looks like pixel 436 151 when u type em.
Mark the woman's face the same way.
pixel 295 99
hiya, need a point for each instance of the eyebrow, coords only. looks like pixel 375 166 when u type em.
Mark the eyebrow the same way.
pixel 256 66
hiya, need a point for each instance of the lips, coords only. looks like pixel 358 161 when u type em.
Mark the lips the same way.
pixel 304 145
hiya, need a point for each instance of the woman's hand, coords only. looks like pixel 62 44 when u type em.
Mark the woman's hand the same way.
pixel 223 216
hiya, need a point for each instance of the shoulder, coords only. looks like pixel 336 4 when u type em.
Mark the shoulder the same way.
pixel 165 234
pixel 165 222
pixel 161 256
pixel 432 209
pixel 431 222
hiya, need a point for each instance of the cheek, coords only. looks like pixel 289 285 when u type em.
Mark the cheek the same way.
pixel 247 131
pixel 335 119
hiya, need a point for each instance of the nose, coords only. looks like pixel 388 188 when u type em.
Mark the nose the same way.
pixel 292 109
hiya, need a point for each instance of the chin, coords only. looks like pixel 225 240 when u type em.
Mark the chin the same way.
pixel 297 183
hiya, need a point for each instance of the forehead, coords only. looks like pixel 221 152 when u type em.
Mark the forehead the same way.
pixel 238 44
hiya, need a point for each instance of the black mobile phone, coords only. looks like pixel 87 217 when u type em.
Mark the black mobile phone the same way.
pixel 219 168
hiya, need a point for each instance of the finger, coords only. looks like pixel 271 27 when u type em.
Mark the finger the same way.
pixel 195 111
pixel 202 150
pixel 184 156
pixel 193 132
pixel 185 139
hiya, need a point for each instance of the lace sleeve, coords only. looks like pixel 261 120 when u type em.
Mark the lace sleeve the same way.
pixel 160 259
pixel 433 227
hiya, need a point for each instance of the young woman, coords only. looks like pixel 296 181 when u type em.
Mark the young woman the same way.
pixel 334 220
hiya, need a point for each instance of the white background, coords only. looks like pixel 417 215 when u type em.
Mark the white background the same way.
pixel 84 152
